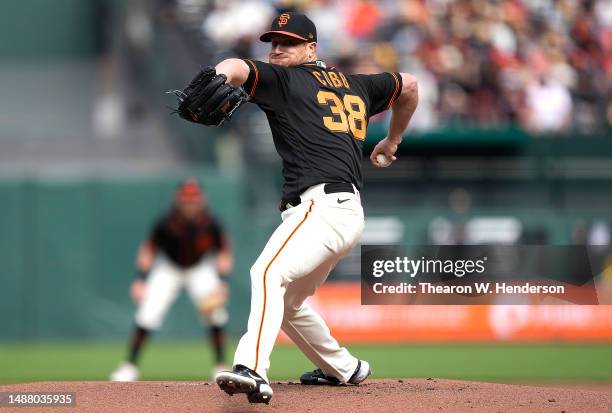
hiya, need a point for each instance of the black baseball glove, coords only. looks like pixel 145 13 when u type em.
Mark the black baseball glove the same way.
pixel 208 99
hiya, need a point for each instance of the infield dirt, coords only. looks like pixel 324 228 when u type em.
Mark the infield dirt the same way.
pixel 391 395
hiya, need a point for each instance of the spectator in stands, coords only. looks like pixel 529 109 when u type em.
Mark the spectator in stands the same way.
pixel 548 105
pixel 491 62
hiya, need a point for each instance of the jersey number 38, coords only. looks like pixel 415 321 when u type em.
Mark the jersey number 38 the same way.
pixel 350 114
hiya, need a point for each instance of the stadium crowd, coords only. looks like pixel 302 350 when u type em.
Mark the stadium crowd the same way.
pixel 543 64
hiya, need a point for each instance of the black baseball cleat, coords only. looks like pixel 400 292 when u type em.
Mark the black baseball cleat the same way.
pixel 317 377
pixel 244 380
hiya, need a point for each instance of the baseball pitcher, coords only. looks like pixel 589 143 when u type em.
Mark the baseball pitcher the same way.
pixel 318 117
pixel 187 248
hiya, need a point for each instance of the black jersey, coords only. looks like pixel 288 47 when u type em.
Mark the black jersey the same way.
pixel 318 118
pixel 185 243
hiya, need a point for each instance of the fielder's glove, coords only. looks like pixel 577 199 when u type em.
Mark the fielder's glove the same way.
pixel 208 99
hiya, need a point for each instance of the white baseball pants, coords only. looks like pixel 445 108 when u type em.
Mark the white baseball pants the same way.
pixel 165 283
pixel 297 259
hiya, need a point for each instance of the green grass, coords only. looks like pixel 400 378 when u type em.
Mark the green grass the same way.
pixel 22 362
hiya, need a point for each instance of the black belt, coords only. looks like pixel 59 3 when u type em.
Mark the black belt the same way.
pixel 328 189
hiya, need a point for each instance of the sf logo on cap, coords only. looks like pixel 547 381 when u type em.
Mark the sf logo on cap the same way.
pixel 283 19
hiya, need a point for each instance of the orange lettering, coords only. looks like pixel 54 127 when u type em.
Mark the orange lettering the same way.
pixel 344 81
pixel 283 19
pixel 335 79
pixel 326 76
pixel 318 76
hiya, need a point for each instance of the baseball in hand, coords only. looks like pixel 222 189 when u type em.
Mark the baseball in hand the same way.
pixel 382 159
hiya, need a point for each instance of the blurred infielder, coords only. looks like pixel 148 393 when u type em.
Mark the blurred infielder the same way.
pixel 187 248
pixel 318 117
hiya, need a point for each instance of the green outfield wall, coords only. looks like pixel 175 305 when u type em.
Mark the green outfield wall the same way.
pixel 42 29
pixel 67 248
pixel 68 242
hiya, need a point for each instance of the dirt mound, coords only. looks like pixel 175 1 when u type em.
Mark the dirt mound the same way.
pixel 430 395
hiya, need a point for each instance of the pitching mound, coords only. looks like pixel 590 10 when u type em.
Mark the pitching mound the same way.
pixel 430 395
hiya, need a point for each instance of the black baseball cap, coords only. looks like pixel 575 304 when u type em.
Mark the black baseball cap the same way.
pixel 294 25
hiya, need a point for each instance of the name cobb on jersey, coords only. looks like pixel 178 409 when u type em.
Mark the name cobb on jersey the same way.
pixel 349 112
pixel 334 79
